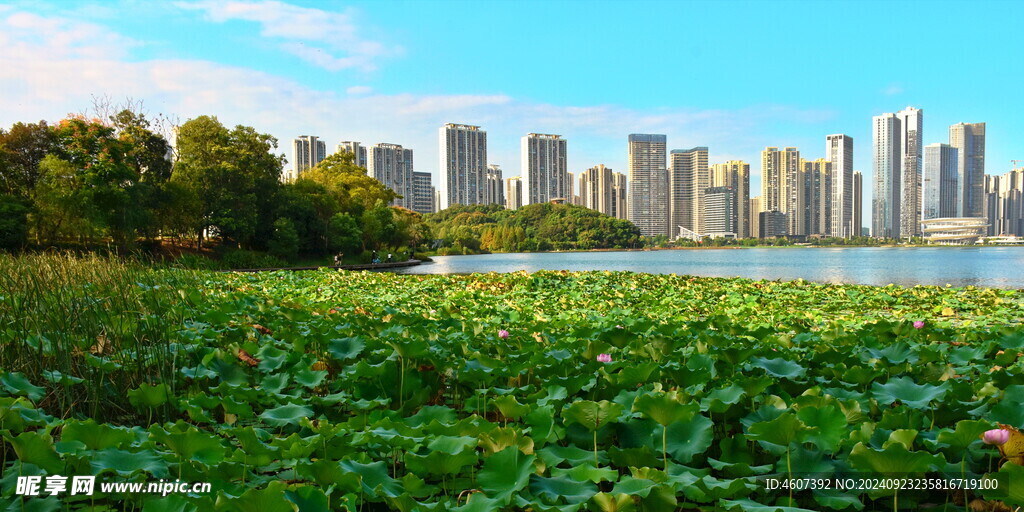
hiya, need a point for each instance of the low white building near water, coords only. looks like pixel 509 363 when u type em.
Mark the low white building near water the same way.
pixel 954 230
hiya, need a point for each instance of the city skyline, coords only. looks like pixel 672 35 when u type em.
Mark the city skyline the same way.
pixel 365 71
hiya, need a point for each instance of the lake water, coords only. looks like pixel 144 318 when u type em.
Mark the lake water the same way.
pixel 997 267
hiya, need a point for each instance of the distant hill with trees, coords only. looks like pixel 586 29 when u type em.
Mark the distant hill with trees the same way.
pixel 466 229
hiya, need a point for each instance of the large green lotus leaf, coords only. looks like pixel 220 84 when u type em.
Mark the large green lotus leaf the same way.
pixel 438 462
pixel 308 498
pixel 37 448
pixel 687 439
pixel 374 478
pixel 271 358
pixel 838 500
pixel 345 348
pixel 125 463
pixel 554 455
pixel 542 424
pixel 551 489
pixel 966 355
pixel 592 415
pixel 36 504
pixel 56 377
pixel 894 460
pixel 275 383
pixel 779 367
pixel 783 430
pixel 905 390
pixel 746 505
pixel 439 413
pixel 18 385
pixel 410 348
pixel 966 433
pixel 289 414
pixel 720 400
pixel 715 488
pixel 510 407
pixel 192 444
pixel 1009 412
pixel 328 472
pixel 644 456
pixel 1010 486
pixel 477 502
pixel 96 436
pixel 830 425
pixel 310 378
pixel 269 499
pixel 587 472
pixel 147 396
pixel 634 486
pixel 605 502
pixel 505 473
pixel 501 438
pixel 665 408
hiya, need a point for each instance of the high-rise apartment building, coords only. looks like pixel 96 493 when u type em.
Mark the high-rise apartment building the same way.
pixel 858 204
pixel 755 218
pixel 357 150
pixel 688 178
pixel 817 175
pixel 718 212
pixel 736 174
pixel 773 223
pixel 969 140
pixel 1004 203
pixel 308 150
pixel 570 189
pixel 463 155
pixel 648 197
pixel 897 164
pixel 391 164
pixel 620 196
pixel 422 193
pixel 494 190
pixel 783 187
pixel 912 151
pixel 544 168
pixel 839 152
pixel 514 193
pixel 939 182
pixel 596 189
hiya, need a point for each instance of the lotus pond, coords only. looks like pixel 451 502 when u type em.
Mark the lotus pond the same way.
pixel 607 391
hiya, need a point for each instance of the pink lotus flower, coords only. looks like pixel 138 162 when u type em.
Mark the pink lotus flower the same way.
pixel 503 334
pixel 918 324
pixel 604 358
pixel 996 436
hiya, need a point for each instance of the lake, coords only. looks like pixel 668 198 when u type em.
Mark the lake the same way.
pixel 996 267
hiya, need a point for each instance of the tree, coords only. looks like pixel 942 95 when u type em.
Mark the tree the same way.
pixel 235 176
pixel 343 234
pixel 21 150
pixel 348 184
pixel 284 242
pixel 379 227
pixel 13 222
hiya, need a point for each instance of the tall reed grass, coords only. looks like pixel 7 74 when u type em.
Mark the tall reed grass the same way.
pixel 91 328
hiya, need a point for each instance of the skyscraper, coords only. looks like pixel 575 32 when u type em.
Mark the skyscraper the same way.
pixel 887 167
pixel 494 191
pixel 513 193
pixel 839 151
pixel 422 193
pixel 736 174
pixel 858 205
pixel 910 185
pixel 1004 198
pixel 939 187
pixel 783 188
pixel 309 151
pixel 620 196
pixel 359 152
pixel 391 164
pixel 596 189
pixel 463 154
pixel 570 188
pixel 688 178
pixel 648 198
pixel 754 214
pixel 718 212
pixel 969 140
pixel 897 165
pixel 544 168
pixel 817 175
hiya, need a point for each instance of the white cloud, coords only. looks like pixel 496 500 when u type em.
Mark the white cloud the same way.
pixel 357 90
pixel 325 39
pixel 892 89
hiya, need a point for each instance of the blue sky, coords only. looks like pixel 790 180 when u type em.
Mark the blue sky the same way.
pixel 734 76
